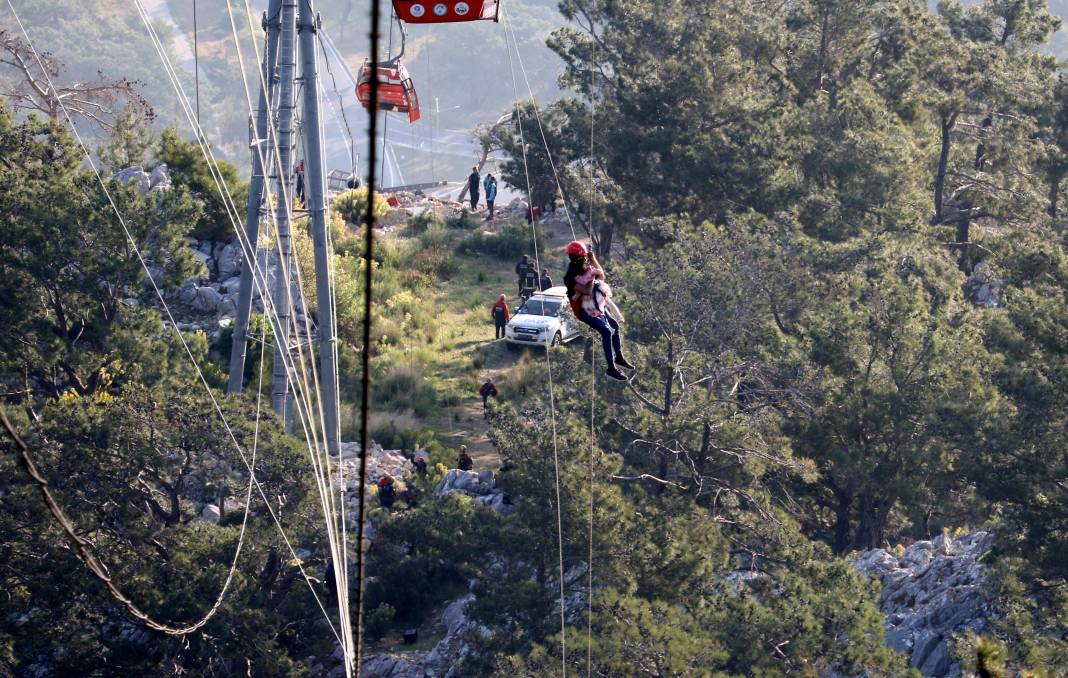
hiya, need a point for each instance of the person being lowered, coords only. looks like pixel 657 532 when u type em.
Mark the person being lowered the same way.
pixel 591 302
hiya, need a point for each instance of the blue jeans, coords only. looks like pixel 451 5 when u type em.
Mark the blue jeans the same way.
pixel 608 328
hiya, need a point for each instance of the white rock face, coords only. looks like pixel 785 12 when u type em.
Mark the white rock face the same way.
pixel 929 594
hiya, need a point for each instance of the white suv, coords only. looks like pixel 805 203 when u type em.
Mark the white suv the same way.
pixel 543 320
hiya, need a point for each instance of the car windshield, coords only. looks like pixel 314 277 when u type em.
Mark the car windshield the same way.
pixel 546 307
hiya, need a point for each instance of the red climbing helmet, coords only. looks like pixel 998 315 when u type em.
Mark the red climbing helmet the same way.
pixel 576 249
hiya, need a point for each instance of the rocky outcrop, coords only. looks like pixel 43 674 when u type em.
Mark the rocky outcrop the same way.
pixel 442 660
pixel 482 486
pixel 982 286
pixel 157 180
pixel 930 593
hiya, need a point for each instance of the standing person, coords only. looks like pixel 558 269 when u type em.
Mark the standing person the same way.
pixel 300 182
pixel 500 315
pixel 387 492
pixel 490 184
pixel 488 390
pixel 464 462
pixel 583 273
pixel 522 270
pixel 472 187
pixel 546 281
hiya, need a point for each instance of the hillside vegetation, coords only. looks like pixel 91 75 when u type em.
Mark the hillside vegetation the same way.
pixel 836 230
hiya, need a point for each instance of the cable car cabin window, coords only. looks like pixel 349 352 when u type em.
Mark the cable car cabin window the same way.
pixel 445 11
pixel 396 93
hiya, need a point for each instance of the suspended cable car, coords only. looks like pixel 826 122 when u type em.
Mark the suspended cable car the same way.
pixel 445 11
pixel 396 93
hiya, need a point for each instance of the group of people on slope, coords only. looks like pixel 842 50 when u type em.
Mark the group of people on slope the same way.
pixel 488 184
pixel 529 278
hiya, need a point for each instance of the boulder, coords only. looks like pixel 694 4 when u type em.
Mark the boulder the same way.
pixel 468 482
pixel 227 306
pixel 229 260
pixel 159 179
pixel 210 513
pixel 135 175
pixel 230 285
pixel 207 299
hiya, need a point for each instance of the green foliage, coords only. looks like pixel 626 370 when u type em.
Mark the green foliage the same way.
pixel 77 293
pixel 187 166
pixel 131 142
pixel 513 241
pixel 380 619
pixel 352 205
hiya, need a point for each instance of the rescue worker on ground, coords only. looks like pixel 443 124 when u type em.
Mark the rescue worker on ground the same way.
pixel 523 270
pixel 546 281
pixel 501 315
pixel 464 462
pixel 472 187
pixel 488 390
pixel 387 491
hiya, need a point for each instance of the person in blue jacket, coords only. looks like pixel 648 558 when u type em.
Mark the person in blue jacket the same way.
pixel 490 184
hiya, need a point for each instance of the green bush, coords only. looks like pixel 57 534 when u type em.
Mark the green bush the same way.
pixel 511 243
pixel 463 220
pixel 380 619
pixel 404 388
pixel 352 205
pixel 423 222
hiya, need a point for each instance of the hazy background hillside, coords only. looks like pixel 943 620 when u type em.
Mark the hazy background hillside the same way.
pixel 461 72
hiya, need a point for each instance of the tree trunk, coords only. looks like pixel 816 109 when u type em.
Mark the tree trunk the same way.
pixel 603 241
pixel 964 225
pixel 947 124
pixel 701 462
pixel 1054 193
pixel 874 512
pixel 669 381
pixel 842 512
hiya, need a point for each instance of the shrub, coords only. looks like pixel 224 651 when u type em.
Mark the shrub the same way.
pixel 404 388
pixel 380 619
pixel 352 205
pixel 463 220
pixel 423 222
pixel 511 243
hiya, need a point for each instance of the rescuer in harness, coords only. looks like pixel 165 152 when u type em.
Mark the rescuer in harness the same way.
pixel 591 302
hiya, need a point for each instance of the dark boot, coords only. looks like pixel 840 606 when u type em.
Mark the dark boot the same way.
pixel 613 373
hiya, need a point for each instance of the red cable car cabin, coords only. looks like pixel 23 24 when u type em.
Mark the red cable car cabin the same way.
pixel 395 90
pixel 445 11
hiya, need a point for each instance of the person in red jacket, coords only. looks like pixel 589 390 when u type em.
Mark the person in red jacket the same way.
pixel 501 314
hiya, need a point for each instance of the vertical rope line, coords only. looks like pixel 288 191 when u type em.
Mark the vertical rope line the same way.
pixel 368 253
pixel 385 119
pixel 548 366
pixel 196 60
pixel 593 392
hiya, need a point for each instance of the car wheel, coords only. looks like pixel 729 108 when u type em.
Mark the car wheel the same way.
pixel 557 339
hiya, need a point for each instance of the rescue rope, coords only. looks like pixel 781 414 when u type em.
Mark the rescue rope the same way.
pixel 549 369
pixel 593 392
pixel 365 358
